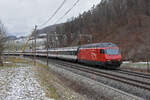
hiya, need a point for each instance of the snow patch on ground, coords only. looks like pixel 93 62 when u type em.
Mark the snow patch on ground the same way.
pixel 139 65
pixel 143 62
pixel 20 84
pixel 126 62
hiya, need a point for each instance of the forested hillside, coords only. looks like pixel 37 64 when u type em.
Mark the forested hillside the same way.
pixel 124 22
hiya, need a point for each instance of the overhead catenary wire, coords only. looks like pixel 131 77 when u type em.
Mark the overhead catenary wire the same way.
pixel 67 11
pixel 50 18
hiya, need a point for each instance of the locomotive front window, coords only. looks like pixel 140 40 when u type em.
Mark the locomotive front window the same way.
pixel 102 51
pixel 112 51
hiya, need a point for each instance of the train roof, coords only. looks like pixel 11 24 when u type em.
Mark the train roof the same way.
pixel 64 49
pixel 96 45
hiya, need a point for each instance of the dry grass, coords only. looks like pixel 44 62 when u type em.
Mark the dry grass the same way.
pixel 55 87
pixel 45 79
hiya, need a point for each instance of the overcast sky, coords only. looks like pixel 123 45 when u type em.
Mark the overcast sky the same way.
pixel 20 16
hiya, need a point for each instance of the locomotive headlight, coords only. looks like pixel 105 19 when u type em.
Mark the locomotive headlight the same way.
pixel 119 59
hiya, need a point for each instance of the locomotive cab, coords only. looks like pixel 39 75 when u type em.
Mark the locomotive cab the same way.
pixel 113 56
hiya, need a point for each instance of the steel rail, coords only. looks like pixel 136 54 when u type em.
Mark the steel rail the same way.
pixel 126 80
pixel 139 74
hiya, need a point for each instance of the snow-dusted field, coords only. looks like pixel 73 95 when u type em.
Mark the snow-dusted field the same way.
pixel 19 83
pixel 139 65
pixel 126 62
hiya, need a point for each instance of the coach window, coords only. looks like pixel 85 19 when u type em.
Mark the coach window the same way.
pixel 71 53
pixel 102 51
pixel 74 53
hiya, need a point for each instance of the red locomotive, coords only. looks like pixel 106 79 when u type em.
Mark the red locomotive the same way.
pixel 103 54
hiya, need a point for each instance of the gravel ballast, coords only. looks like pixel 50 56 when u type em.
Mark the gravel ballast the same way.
pixel 92 89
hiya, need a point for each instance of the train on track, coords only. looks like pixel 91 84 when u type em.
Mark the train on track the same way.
pixel 106 55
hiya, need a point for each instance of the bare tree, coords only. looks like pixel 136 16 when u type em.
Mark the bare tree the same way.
pixel 2 40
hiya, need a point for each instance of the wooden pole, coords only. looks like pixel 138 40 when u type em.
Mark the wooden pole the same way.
pixel 47 49
pixel 148 70
pixel 148 55
pixel 35 45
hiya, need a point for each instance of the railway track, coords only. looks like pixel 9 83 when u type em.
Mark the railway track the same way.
pixel 139 74
pixel 102 73
pixel 59 64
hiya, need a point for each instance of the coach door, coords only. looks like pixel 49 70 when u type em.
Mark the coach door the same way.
pixel 102 52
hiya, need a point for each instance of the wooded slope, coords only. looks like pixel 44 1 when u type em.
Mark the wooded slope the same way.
pixel 124 22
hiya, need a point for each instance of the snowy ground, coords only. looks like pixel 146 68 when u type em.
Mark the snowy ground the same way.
pixel 140 65
pixel 19 83
pixel 126 62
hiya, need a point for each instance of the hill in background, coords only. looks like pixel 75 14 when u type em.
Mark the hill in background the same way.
pixel 124 22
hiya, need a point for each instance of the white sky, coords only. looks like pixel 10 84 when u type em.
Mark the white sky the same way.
pixel 20 16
